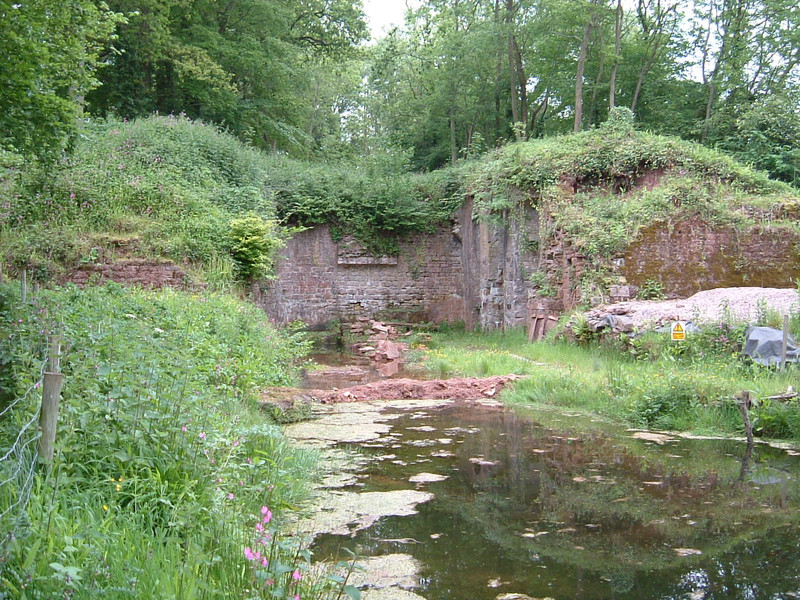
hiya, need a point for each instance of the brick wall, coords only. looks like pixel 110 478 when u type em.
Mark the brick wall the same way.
pixel 319 279
pixel 132 272
pixel 690 256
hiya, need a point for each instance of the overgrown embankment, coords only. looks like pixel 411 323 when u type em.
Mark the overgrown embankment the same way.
pixel 171 188
pixel 646 381
pixel 597 190
pixel 163 459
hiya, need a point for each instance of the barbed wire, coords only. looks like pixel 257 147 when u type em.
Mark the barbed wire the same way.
pixel 19 458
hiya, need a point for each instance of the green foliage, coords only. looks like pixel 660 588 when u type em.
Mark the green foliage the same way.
pixel 620 121
pixel 161 186
pixel 766 136
pixel 542 285
pixel 250 65
pixel 253 245
pixel 670 404
pixel 375 199
pixel 56 49
pixel 162 453
pixel 651 382
pixel 651 289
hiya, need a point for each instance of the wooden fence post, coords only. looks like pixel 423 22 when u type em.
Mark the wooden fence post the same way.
pixel 745 402
pixel 51 394
pixel 785 343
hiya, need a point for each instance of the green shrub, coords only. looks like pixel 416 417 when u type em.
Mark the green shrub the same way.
pixel 651 290
pixel 667 405
pixel 253 244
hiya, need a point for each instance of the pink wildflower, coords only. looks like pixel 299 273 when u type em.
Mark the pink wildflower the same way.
pixel 259 528
pixel 184 429
pixel 267 514
pixel 230 496
pixel 296 575
pixel 202 435
pixel 248 554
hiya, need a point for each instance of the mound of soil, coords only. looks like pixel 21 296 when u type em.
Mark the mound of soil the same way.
pixel 458 388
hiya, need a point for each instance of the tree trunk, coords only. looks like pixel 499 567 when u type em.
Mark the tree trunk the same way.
pixel 512 74
pixel 453 140
pixel 587 34
pixel 600 72
pixel 612 90
pixel 523 86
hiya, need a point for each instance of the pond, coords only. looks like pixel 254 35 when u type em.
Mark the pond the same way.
pixel 554 505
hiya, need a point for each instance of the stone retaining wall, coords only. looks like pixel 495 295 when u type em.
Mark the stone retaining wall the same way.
pixel 132 272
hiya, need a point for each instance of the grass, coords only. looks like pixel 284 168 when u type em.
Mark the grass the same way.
pixel 685 392
pixel 164 460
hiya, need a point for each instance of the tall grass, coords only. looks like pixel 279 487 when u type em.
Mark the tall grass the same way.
pixel 165 465
pixel 692 389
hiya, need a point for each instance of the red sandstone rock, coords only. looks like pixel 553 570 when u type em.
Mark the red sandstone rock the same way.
pixel 459 388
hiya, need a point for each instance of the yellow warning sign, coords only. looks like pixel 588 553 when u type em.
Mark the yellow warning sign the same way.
pixel 678 331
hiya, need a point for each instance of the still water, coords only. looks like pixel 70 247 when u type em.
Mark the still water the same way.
pixel 558 506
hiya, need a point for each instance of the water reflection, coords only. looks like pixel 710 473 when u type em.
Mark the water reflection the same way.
pixel 552 507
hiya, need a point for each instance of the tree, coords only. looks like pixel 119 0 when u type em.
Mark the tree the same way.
pixel 52 52
pixel 251 65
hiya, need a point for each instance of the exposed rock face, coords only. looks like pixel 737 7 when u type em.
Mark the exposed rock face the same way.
pixel 131 272
pixel 468 271
pixel 478 271
pixel 692 255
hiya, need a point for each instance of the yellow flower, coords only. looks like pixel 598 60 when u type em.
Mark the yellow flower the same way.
pixel 105 507
pixel 119 487
pixel 120 479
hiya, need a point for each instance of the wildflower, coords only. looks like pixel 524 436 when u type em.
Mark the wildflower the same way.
pixel 259 528
pixel 230 496
pixel 249 554
pixel 264 562
pixel 202 435
pixel 119 487
pixel 105 507
pixel 184 428
pixel 267 514
pixel 296 575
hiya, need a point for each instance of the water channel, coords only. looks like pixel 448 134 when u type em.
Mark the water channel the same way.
pixel 556 505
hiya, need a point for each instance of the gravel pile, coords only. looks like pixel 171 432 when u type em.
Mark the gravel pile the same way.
pixel 710 305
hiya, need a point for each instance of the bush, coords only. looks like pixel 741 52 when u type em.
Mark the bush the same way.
pixel 253 246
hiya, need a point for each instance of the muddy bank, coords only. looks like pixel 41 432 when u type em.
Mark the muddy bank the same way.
pixel 457 388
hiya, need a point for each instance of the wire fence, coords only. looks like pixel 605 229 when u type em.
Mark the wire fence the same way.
pixel 19 435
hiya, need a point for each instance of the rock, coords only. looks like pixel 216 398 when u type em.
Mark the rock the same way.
pixel 391 593
pixel 651 436
pixel 623 324
pixel 390 570
pixel 519 597
pixel 427 478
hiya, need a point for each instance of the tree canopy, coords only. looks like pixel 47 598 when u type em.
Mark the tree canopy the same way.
pixel 459 77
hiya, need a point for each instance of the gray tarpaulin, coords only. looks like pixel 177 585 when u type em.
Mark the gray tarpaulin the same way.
pixel 764 344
